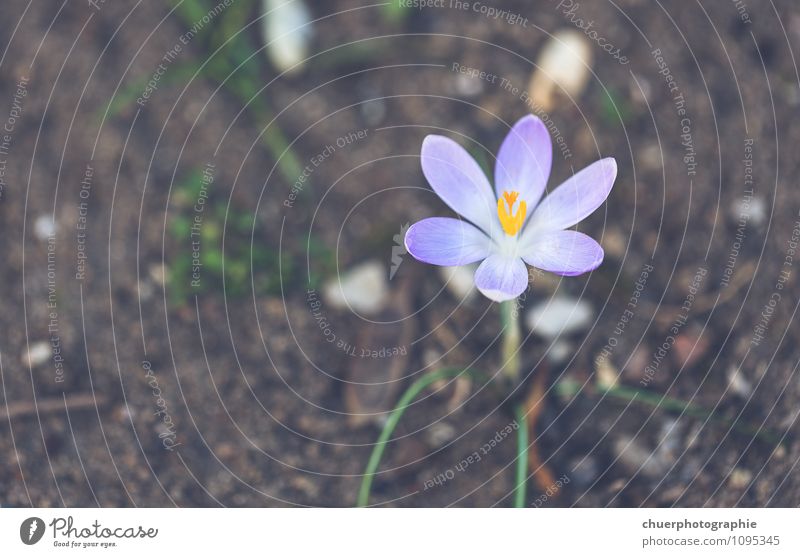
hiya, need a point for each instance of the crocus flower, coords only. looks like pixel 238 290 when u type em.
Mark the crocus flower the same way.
pixel 512 225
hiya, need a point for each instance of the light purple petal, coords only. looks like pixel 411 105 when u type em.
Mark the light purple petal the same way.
pixel 565 252
pixel 575 199
pixel 501 278
pixel 524 161
pixel 459 181
pixel 446 241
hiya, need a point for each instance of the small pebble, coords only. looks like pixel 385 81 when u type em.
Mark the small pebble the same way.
pixel 650 157
pixel 37 354
pixel 562 69
pixel 690 469
pixel 753 210
pixel 467 86
pixel 738 383
pixel 363 289
pixel 163 429
pixel 157 273
pixel 559 352
pixel 671 440
pixel 606 374
pixel 672 494
pixel 638 459
pixel 740 478
pixel 287 31
pixel 439 434
pixel 124 413
pixel 431 358
pixel 560 315
pixel 636 363
pixel 614 242
pixel 373 111
pixel 791 94
pixel 145 290
pixel 460 280
pixel 689 348
pixel 765 489
pixel 641 90
pixel 583 471
pixel 44 227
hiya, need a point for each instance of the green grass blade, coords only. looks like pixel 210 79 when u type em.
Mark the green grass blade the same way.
pixel 569 387
pixel 394 418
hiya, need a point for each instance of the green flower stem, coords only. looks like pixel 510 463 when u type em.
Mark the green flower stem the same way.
pixel 522 457
pixel 512 336
pixel 380 446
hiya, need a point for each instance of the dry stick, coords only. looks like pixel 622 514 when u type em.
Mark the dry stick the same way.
pixel 534 404
pixel 51 404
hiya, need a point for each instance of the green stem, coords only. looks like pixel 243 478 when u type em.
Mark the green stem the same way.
pixel 380 446
pixel 512 336
pixel 522 458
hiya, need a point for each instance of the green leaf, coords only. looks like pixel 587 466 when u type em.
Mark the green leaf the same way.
pixel 391 423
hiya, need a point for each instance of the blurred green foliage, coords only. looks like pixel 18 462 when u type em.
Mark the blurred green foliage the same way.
pixel 233 61
pixel 395 12
pixel 218 267
pixel 227 56
pixel 234 257
pixel 614 108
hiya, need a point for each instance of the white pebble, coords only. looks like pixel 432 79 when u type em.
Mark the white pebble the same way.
pixel 561 69
pixel 363 289
pixel 157 273
pixel 558 316
pixel 287 32
pixel 468 86
pixel 559 352
pixel 606 374
pixel 754 210
pixel 740 478
pixel 638 459
pixel 373 111
pixel 738 383
pixel 37 354
pixel 439 434
pixel 460 280
pixel 44 227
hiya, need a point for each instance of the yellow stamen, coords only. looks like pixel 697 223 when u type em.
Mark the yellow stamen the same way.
pixel 512 223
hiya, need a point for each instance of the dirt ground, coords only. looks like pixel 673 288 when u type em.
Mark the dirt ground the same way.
pixel 119 389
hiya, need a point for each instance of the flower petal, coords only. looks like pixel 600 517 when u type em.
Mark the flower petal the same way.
pixel 564 252
pixel 459 181
pixel 501 278
pixel 575 199
pixel 446 241
pixel 524 161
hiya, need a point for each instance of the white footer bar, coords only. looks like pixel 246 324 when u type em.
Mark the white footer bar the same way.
pixel 400 532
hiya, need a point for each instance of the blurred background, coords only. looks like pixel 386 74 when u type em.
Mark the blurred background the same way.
pixel 207 301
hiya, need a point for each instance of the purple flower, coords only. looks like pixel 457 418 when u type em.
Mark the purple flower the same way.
pixel 509 227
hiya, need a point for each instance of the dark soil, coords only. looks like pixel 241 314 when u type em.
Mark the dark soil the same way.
pixel 253 407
